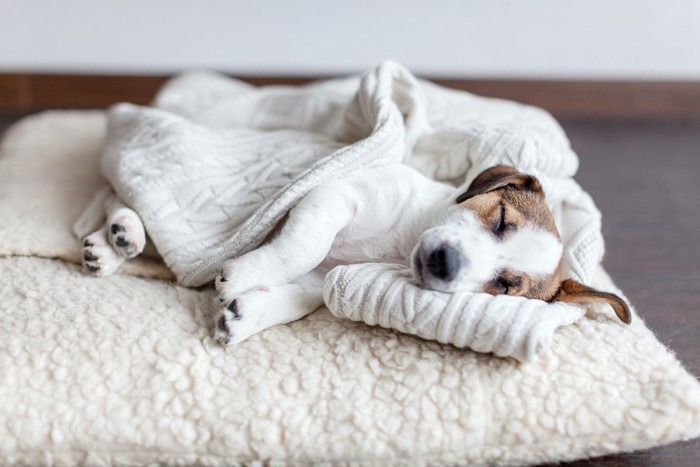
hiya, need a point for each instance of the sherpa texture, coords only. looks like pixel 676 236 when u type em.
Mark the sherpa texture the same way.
pixel 122 371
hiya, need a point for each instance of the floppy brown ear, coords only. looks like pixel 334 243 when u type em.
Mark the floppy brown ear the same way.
pixel 497 177
pixel 572 291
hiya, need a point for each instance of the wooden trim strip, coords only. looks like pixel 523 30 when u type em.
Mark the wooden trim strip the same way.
pixel 668 100
pixel 9 92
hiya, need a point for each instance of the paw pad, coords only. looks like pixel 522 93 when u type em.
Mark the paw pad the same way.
pixel 116 228
pixel 126 240
pixel 222 324
pixel 88 256
pixel 121 241
pixel 233 308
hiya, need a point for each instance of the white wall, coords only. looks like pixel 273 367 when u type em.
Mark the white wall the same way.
pixel 605 39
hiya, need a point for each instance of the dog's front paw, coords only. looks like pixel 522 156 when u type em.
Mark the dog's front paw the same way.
pixel 98 256
pixel 237 278
pixel 126 233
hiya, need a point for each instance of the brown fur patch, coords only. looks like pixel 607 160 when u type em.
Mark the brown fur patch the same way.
pixel 524 205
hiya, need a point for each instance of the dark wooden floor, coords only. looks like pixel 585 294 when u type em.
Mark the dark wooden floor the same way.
pixel 645 177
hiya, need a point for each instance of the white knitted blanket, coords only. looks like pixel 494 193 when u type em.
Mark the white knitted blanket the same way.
pixel 215 163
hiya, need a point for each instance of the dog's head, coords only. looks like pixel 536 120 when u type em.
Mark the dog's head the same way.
pixel 499 237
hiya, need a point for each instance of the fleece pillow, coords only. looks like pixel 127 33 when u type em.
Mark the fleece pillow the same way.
pixel 123 370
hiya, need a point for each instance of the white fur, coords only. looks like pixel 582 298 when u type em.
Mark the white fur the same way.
pixel 372 215
pixel 462 230
pixel 531 251
pixel 383 214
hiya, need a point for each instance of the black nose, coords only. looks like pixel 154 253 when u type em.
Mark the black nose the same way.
pixel 443 262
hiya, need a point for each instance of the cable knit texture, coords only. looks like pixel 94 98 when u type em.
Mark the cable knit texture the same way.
pixel 507 326
pixel 122 370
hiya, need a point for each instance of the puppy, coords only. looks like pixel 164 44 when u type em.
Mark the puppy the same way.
pixel 498 237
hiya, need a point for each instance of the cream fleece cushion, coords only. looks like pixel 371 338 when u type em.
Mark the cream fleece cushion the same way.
pixel 122 369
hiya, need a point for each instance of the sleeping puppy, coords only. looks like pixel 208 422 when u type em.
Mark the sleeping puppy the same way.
pixel 498 237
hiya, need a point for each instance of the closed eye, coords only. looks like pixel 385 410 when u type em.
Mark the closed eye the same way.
pixel 504 285
pixel 501 226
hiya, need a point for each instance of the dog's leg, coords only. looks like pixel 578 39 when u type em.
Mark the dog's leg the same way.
pixel 302 244
pixel 257 310
pixel 125 230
